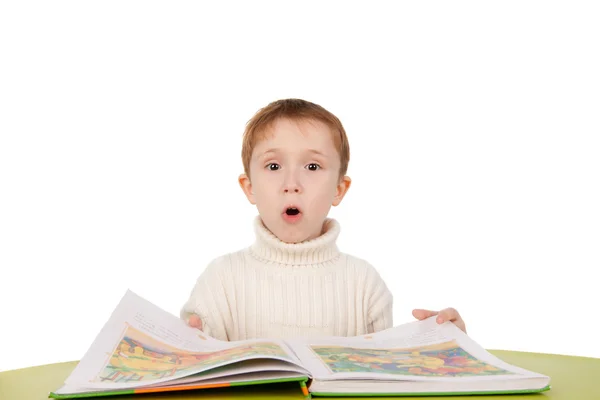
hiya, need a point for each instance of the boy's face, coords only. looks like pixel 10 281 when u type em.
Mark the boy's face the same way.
pixel 294 179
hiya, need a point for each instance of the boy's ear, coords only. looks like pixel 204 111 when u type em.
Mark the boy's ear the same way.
pixel 341 189
pixel 246 186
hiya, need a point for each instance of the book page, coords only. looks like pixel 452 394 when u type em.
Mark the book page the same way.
pixel 244 368
pixel 142 345
pixel 422 350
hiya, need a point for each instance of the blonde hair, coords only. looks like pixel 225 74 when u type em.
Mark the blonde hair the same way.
pixel 295 110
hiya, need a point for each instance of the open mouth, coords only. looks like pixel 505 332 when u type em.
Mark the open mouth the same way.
pixel 291 211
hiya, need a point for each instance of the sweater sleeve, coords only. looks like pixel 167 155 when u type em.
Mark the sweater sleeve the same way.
pixel 380 303
pixel 208 300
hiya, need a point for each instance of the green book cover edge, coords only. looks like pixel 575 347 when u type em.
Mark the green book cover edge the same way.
pixel 429 394
pixel 301 380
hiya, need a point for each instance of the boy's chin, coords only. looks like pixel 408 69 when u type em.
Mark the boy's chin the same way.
pixel 292 238
pixel 292 234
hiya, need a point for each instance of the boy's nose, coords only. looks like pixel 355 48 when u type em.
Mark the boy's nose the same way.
pixel 291 189
pixel 291 183
pixel 292 186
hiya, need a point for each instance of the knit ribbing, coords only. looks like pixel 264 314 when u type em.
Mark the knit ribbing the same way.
pixel 280 290
pixel 269 248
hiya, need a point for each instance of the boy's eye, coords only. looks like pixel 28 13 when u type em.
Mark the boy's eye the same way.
pixel 273 166
pixel 313 167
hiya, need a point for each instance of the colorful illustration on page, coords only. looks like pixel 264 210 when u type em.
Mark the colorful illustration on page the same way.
pixel 440 360
pixel 139 357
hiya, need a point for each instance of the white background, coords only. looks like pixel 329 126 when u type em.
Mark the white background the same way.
pixel 474 131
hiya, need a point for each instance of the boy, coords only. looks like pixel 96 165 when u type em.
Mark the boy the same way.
pixel 293 281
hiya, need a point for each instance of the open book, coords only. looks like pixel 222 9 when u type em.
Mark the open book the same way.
pixel 143 349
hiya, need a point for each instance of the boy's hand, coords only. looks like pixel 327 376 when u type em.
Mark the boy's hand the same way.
pixel 195 322
pixel 447 314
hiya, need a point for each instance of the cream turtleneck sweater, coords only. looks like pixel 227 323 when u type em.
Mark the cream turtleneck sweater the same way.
pixel 279 290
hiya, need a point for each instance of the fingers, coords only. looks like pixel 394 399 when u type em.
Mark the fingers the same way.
pixel 195 322
pixel 446 315
pixel 421 314
pixel 451 315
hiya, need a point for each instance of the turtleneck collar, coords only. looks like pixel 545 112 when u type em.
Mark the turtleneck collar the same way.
pixel 269 248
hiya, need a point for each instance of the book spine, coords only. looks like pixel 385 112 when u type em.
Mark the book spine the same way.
pixel 304 390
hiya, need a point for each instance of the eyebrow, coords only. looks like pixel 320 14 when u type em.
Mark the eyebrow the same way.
pixel 317 152
pixel 312 151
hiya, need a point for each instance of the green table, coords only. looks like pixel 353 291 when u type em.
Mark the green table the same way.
pixel 572 378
